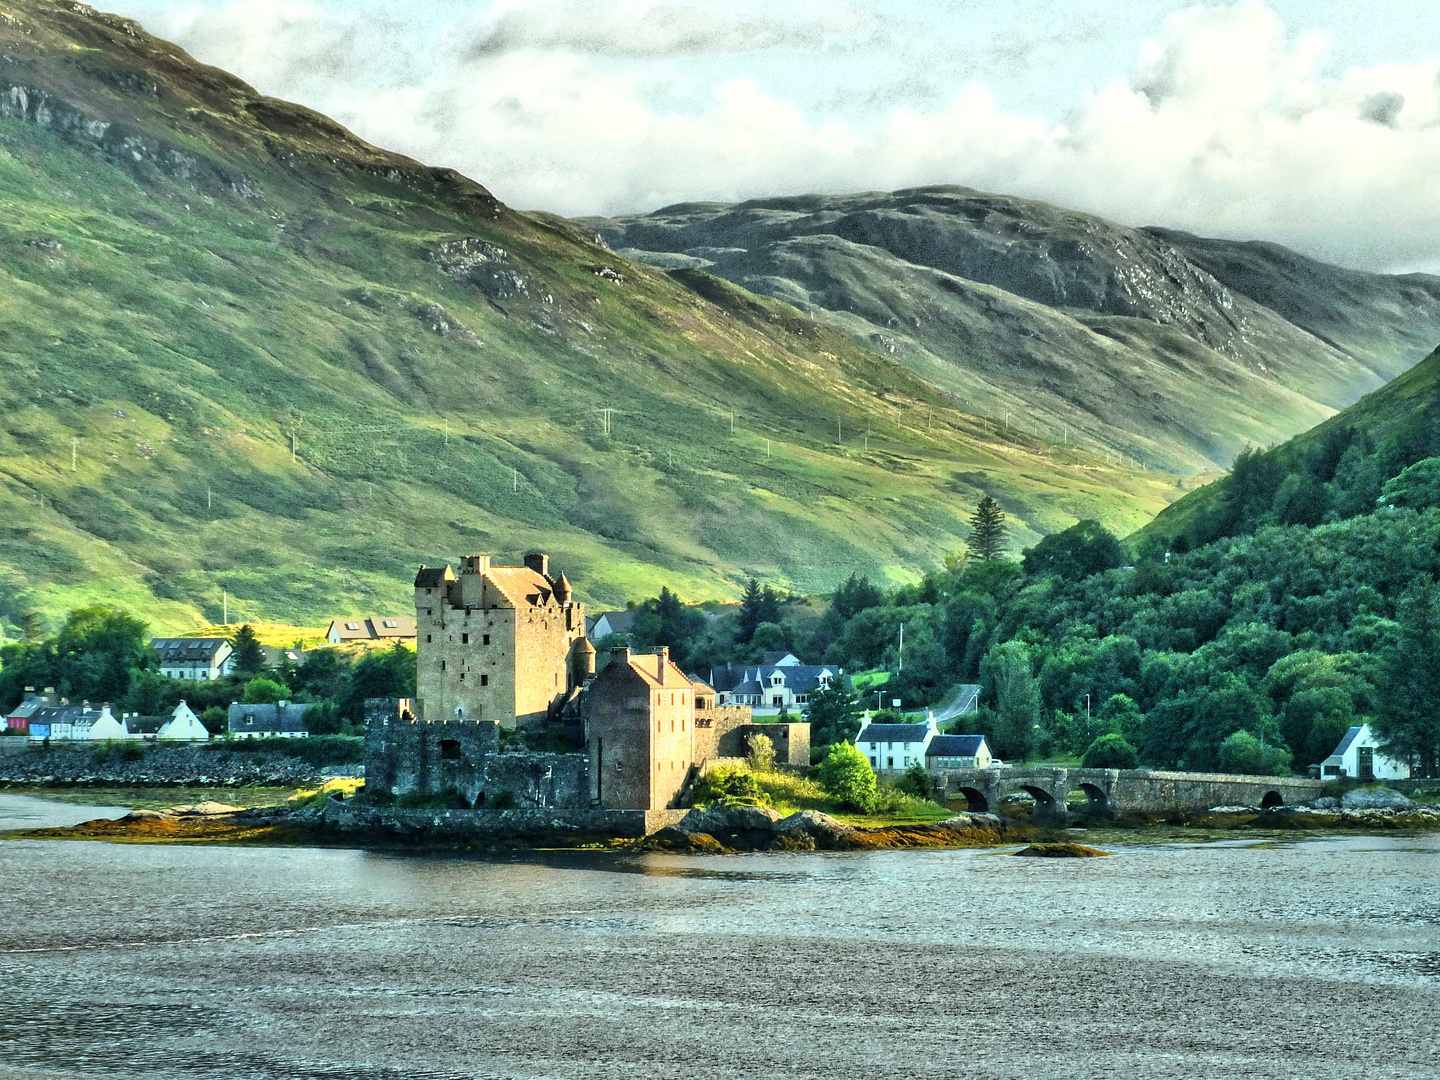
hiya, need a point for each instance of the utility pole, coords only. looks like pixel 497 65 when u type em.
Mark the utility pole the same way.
pixel 209 498
pixel 902 646
pixel 515 481
pixel 292 444
pixel 867 439
pixel 767 449
pixel 732 421
pixel 447 431
pixel 1087 710
pixel 74 450
pixel 838 439
pixel 927 421
pixel 224 607
pixel 605 420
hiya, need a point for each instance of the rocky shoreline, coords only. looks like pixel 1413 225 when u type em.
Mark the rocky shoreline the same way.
pixel 189 766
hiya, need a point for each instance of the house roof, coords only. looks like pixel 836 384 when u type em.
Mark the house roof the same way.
pixel 373 627
pixel 800 678
pixel 189 650
pixel 28 707
pixel 620 622
pixel 955 746
pixel 393 626
pixel 146 725
pixel 274 719
pixel 901 733
pixel 779 658
pixel 64 714
pixel 1345 743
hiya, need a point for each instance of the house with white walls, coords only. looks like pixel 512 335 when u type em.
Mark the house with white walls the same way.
pixel 180 725
pixel 893 748
pixel 1360 757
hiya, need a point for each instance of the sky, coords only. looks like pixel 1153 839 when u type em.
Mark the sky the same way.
pixel 1314 123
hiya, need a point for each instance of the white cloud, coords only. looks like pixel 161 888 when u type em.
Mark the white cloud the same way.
pixel 1230 123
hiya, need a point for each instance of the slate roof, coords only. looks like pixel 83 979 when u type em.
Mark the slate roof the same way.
pixel 28 707
pixel 955 746
pixel 64 714
pixel 146 725
pixel 373 627
pixel 901 733
pixel 647 666
pixel 799 678
pixel 268 719
pixel 188 650
pixel 621 622
pixel 1345 743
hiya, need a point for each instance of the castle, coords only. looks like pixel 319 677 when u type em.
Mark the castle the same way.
pixel 503 648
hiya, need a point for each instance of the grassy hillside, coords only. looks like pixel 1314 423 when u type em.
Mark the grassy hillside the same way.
pixel 1169 349
pixel 1335 471
pixel 242 350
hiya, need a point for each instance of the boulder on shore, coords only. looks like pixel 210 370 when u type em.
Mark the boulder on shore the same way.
pixel 822 830
pixel 1376 798
pixel 724 820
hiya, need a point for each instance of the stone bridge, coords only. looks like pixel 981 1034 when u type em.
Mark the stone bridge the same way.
pixel 1110 792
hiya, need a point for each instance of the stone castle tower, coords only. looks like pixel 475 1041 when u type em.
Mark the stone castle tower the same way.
pixel 499 643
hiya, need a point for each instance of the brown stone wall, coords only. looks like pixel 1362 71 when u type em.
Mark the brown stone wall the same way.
pixel 543 638
pixel 457 668
pixel 717 732
pixel 617 714
pixel 672 726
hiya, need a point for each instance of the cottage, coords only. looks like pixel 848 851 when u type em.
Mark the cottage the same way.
pixel 1359 756
pixel 608 623
pixel 194 658
pixel 285 720
pixel 180 725
pixel 957 752
pixel 773 688
pixel 893 748
pixel 18 719
pixel 371 628
pixel 75 723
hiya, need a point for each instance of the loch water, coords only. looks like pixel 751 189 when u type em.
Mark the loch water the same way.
pixel 1319 958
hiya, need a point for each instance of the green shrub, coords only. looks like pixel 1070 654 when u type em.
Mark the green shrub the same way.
pixel 1111 752
pixel 503 799
pixel 731 785
pixel 216 720
pixel 761 755
pixel 916 781
pixel 1244 753
pixel 846 774
pixel 262 691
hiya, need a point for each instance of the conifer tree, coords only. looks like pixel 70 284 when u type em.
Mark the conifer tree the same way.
pixel 987 530
pixel 249 658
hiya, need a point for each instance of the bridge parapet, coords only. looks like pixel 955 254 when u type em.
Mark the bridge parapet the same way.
pixel 1118 791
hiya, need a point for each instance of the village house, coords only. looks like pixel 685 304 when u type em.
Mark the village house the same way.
pixel 1360 757
pixel 957 752
pixel 371 628
pixel 608 623
pixel 769 689
pixel 179 725
pixel 194 658
pixel 75 723
pixel 500 643
pixel 18 719
pixel 285 720
pixel 893 748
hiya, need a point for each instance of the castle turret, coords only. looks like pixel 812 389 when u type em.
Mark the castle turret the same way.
pixel 562 588
pixel 582 662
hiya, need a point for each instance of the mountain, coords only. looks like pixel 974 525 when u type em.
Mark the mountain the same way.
pixel 1172 350
pixel 243 352
pixel 1335 471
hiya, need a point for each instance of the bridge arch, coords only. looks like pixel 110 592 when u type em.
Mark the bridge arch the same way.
pixel 1095 802
pixel 1271 799
pixel 975 800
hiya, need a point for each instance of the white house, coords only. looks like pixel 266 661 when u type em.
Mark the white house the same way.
pixel 893 748
pixel 611 622
pixel 194 658
pixel 1359 756
pixel 285 720
pixel 181 725
pixel 75 723
pixel 771 688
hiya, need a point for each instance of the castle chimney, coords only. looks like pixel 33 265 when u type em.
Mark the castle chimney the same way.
pixel 475 564
pixel 664 653
pixel 539 562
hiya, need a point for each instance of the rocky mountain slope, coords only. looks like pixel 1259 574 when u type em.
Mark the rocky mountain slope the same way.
pixel 243 352
pixel 1169 349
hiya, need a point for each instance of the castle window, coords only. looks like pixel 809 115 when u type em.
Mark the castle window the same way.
pixel 449 750
pixel 464 639
pixel 485 640
pixel 442 665
pixel 484 680
pixel 462 675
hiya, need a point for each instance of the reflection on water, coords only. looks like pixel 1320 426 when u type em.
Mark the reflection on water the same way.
pixel 1314 959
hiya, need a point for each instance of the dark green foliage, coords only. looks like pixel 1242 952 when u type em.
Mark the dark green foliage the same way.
pixel 249 658
pixel 216 720
pixel 1244 753
pixel 758 605
pixel 263 691
pixel 987 530
pixel 1085 548
pixel 916 781
pixel 1417 486
pixel 846 774
pixel 388 674
pixel 1409 678
pixel 1111 752
pixel 834 714
pixel 1007 679
pixel 94 657
pixel 664 620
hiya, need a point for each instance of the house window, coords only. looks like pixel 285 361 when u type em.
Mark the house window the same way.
pixel 427 639
pixel 352 626
pixel 889 763
pixel 389 624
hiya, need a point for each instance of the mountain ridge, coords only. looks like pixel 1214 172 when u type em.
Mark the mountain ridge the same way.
pixel 1143 342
